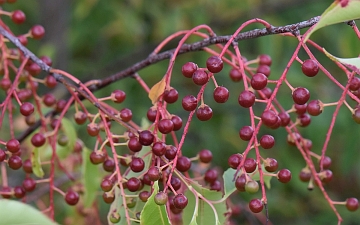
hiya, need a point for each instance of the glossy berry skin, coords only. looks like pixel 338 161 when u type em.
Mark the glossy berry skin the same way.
pixel 354 84
pixel 188 69
pixel 137 164
pixel 13 145
pixel 267 141
pixel 161 198
pixel 177 121
pixel 126 114
pixel 211 175
pixel 151 114
pixel 49 100
pixel 234 160
pixel 326 162
pixel 93 129
pixel 271 165
pixel 204 113
pixel 235 75
pixel 170 152
pixel 183 164
pixel 26 109
pixel 250 165
pixel 246 99
pixel 200 77
pixel 15 162
pixel 310 68
pixel 214 64
pixel 159 148
pixel 2 155
pixel 304 120
pixel 109 165
pixel 300 95
pixel 256 205
pixel 19 192
pixel 265 60
pixel 27 166
pixel 269 118
pixel 284 118
pixel 37 32
pixel 118 96
pixel 133 184
pixel 146 137
pixel 205 156
pixel 108 197
pixel 264 69
pixel 352 204
pixel 134 144
pixel 300 109
pixel 144 196
pixel 29 184
pixel 326 176
pixel 259 81
pixel 221 94
pixel 97 157
pixel 171 96
pixel 180 201
pixel 189 103
pixel 305 175
pixel 175 183
pixel 284 175
pixel 240 183
pixel 356 115
pixel 154 173
pixel 71 197
pixel 246 133
pixel 106 185
pixel 18 16
pixel 165 126
pixel 252 187
pixel 38 140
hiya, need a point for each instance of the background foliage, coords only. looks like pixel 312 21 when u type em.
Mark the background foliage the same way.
pixel 93 39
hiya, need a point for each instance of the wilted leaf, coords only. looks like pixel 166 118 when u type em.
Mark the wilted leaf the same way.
pixel 351 63
pixel 157 90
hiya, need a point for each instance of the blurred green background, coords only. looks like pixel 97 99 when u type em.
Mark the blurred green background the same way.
pixel 92 39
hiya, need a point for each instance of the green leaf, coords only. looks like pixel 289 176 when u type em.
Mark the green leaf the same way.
pixel 68 128
pixel 204 213
pixel 229 183
pixel 36 163
pixel 17 213
pixel 337 14
pixel 152 213
pixel 351 63
pixel 90 178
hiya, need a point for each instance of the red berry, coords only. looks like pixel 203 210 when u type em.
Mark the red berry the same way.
pixel 180 201
pixel 170 152
pixel 5 84
pixel 133 184
pixel 46 60
pixel 108 197
pixel 126 114
pixel 211 175
pixel 97 157
pixel 204 113
pixel 315 107
pixel 49 100
pixel 304 120
pixel 267 92
pixel 188 69
pixel 214 64
pixel 37 31
pixel 246 99
pixel 29 184
pixel 300 109
pixel 177 121
pixel 234 160
pixel 326 176
pixel 250 165
pixel 134 144
pixel 50 81
pixel 159 148
pixel 38 140
pixel 235 75
pixel 146 137
pixel 14 162
pixel 259 81
pixel 216 186
pixel 240 183
pixel 165 126
pixel 27 166
pixel 356 115
pixel 300 95
pixel 18 16
pixel 144 196
pixel 310 68
pixel 13 145
pixel 305 175
pixel 154 173
pixel 269 118
pixel 183 164
pixel 175 183
pixel 2 155
pixel 221 94
pixel 246 133
pixel 137 164
pixel 171 96
pixel 60 105
pixel 71 197
pixel 200 77
pixel 284 175
pixel 267 141
pixel 352 204
pixel 271 165
pixel 256 205
pixel 205 156
pixel 265 69
pixel 151 114
pixel 354 84
pixel 265 60
pixel 118 96
pixel 19 192
pixel 284 119
pixel 109 165
pixel 189 103
pixel 326 162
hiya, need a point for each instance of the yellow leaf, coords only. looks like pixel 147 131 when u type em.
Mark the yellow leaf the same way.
pixel 157 90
